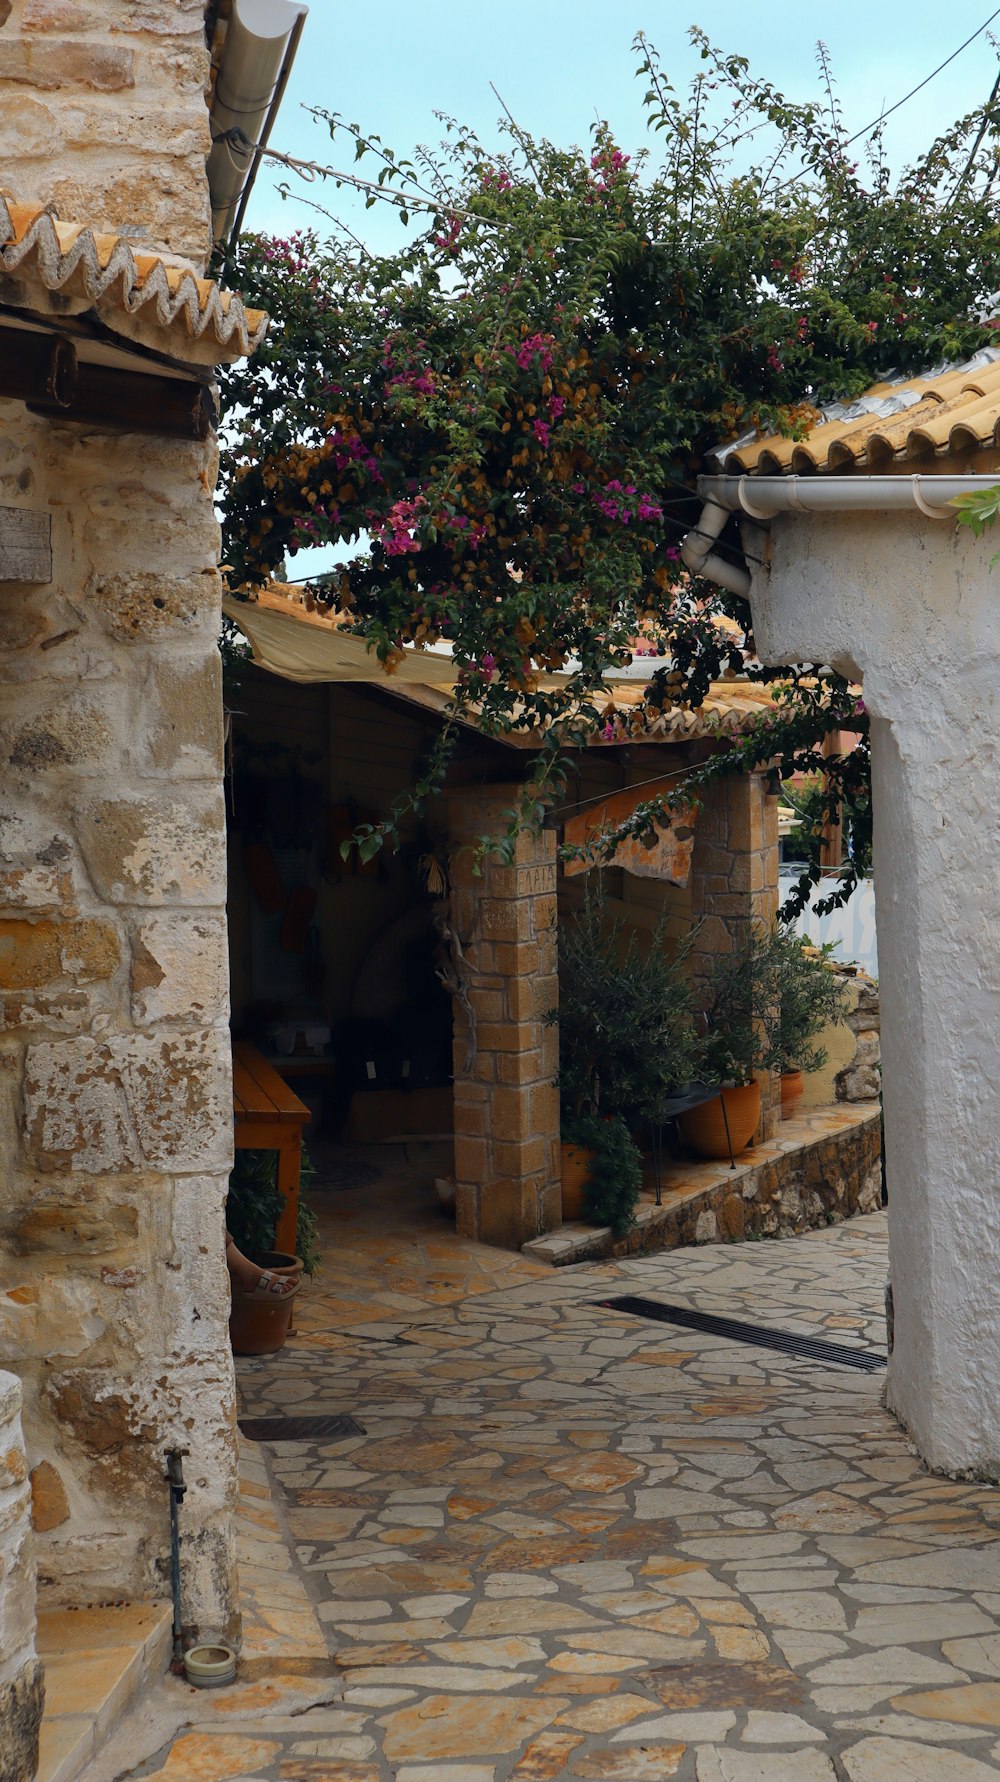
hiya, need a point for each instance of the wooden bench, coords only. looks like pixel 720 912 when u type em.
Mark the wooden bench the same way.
pixel 268 1116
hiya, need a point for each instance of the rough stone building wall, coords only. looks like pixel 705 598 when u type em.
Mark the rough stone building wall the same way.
pixel 20 1671
pixel 103 114
pixel 115 1109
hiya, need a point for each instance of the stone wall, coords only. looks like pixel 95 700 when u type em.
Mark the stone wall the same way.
pixel 21 1686
pixel 506 1102
pixel 115 1108
pixel 103 114
pixel 834 1172
pixel 861 1077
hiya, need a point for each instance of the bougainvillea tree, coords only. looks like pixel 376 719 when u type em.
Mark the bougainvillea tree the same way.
pixel 501 424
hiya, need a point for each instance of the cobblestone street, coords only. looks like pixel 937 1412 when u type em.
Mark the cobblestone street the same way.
pixel 572 1542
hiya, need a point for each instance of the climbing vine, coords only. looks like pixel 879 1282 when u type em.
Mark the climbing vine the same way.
pixel 501 424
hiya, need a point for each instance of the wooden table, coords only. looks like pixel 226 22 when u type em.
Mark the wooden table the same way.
pixel 268 1117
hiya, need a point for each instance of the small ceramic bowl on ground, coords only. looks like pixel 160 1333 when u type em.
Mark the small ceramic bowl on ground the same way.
pixel 210 1667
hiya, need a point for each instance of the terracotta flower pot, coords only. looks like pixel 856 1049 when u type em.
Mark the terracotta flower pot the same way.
pixel 259 1325
pixel 792 1087
pixel 577 1162
pixel 704 1127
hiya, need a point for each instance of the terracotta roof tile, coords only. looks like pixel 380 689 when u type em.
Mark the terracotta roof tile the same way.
pixel 142 296
pixel 953 409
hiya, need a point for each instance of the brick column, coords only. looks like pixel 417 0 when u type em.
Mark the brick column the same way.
pixel 506 1054
pixel 734 883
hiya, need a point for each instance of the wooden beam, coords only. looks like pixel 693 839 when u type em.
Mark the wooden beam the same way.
pixel 25 545
pixel 117 401
pixel 37 367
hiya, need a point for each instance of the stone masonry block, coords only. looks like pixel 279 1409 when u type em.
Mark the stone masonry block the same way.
pixel 38 862
pixel 180 969
pixel 182 715
pixel 144 605
pixel 510 1113
pixel 50 65
pixel 157 849
pixel 43 951
pixel 471 1158
pixel 127 1102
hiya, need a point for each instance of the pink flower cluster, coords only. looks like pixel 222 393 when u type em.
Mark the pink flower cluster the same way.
pixel 397 528
pixel 535 344
pixel 449 243
pixel 496 180
pixel 290 255
pixel 618 503
pixel 346 451
pixel 608 163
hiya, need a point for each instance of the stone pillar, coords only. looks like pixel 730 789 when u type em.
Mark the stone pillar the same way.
pixel 910 605
pixel 506 1052
pixel 734 885
pixel 115 1095
pixel 21 1682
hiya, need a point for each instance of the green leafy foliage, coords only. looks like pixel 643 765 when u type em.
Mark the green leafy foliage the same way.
pixel 741 1008
pixel 500 426
pixel 254 1206
pixel 626 1030
pixel 612 1190
pixel 812 996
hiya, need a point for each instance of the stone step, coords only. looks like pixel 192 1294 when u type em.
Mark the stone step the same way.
pixel 823 1164
pixel 96 1662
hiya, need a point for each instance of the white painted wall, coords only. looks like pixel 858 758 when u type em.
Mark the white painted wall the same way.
pixel 851 930
pixel 909 606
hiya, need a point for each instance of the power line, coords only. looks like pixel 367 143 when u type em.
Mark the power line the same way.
pixel 926 81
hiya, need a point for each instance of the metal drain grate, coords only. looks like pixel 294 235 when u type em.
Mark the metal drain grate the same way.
pixel 759 1336
pixel 300 1429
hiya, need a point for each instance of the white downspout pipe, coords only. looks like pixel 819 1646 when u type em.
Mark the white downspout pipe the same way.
pixel 697 554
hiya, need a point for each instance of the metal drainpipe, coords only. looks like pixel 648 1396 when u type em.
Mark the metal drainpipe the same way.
pixel 174 1477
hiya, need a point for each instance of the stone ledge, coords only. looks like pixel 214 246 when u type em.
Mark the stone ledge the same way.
pixel 821 1167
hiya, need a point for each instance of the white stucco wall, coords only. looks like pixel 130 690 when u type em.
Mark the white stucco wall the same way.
pixel 910 606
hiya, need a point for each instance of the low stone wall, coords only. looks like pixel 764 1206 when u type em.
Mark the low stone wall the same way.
pixel 823 1167
pixel 861 1077
pixel 21 1679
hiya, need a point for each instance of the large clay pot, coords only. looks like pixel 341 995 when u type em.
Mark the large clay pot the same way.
pixel 577 1162
pixel 260 1326
pixel 704 1127
pixel 792 1087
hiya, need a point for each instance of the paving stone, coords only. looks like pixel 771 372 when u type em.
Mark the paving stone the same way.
pixel 565 1547
pixel 904 1760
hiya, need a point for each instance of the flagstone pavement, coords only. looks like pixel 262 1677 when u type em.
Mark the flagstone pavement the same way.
pixel 572 1543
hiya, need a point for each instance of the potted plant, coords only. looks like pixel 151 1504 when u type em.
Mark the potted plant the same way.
pixel 259 1326
pixel 611 1169
pixel 812 998
pixel 626 1038
pixel 741 1020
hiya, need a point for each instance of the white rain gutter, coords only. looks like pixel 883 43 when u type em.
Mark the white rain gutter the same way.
pixel 262 37
pixel 762 497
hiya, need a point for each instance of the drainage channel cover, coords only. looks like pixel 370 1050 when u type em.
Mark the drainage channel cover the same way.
pixel 300 1429
pixel 759 1336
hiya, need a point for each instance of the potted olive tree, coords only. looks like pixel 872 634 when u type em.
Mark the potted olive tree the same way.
pixel 740 1019
pixel 812 997
pixel 626 1039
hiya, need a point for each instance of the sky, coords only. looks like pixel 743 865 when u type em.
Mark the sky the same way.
pixel 390 66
